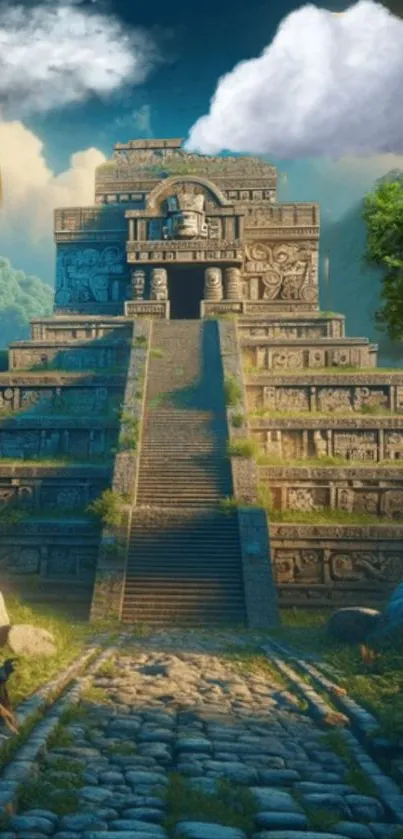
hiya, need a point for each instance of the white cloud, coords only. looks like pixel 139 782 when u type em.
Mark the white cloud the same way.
pixel 53 55
pixel 327 85
pixel 31 191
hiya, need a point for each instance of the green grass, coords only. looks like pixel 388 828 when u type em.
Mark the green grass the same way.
pixel 342 412
pixel 232 391
pixel 248 659
pixel 238 420
pixel 320 371
pixel 108 669
pixel 94 695
pixel 108 508
pixel 377 687
pixel 125 747
pixel 243 447
pixel 140 341
pixel 319 462
pixel 328 516
pixel 70 639
pixel 156 352
pixel 231 805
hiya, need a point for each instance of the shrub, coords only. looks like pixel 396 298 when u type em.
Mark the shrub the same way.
pixel 243 447
pixel 108 508
pixel 237 420
pixel 232 391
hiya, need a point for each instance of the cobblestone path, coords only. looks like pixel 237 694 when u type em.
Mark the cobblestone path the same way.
pixel 191 743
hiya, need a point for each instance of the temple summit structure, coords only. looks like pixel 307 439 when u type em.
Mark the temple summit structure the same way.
pixel 189 438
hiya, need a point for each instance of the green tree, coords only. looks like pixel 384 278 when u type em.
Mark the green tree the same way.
pixel 22 297
pixel 383 214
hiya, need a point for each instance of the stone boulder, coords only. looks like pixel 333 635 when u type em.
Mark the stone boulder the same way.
pixel 391 624
pixel 25 639
pixel 353 624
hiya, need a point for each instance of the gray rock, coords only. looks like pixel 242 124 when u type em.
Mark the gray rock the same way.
pixel 193 744
pixel 272 799
pixel 33 824
pixel 97 795
pixel 353 830
pixel 146 814
pixel 25 639
pixel 271 820
pixel 328 801
pixel 82 821
pixel 42 814
pixel 278 777
pixel 138 825
pixel 207 830
pixel 138 778
pixel 353 624
pixel 235 771
pixel 366 808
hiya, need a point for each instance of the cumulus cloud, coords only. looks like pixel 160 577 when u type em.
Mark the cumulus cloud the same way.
pixel 55 54
pixel 32 190
pixel 327 85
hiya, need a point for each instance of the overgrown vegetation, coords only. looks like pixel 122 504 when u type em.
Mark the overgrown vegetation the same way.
pixel 140 341
pixel 243 447
pixel 156 352
pixel 108 508
pixel 130 433
pixel 238 420
pixel 232 391
pixel 377 686
pixel 231 805
pixel 329 516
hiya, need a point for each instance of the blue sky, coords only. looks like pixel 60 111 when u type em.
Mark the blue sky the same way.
pixel 182 50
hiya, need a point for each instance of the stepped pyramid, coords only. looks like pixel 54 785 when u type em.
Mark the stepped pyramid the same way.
pixel 253 450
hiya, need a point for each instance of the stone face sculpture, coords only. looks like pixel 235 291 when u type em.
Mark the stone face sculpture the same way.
pixel 186 217
pixel 159 284
pixel 213 284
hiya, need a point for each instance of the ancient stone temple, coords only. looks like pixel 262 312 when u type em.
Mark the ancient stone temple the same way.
pixel 252 451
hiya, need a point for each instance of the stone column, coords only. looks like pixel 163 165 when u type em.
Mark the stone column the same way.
pixel 233 288
pixel 131 229
pixel 137 284
pixel 213 284
pixel 159 284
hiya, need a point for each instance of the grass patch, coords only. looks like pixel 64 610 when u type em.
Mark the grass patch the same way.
pixel 232 805
pixel 328 516
pixel 108 669
pixel 243 447
pixel 42 793
pixel 94 694
pixel 248 659
pixel 60 738
pixel 355 776
pixel 108 508
pixel 238 420
pixel 274 413
pixel 378 687
pixel 232 391
pixel 70 639
pixel 140 341
pixel 319 371
pixel 318 817
pixel 122 748
pixel 156 352
pixel 130 432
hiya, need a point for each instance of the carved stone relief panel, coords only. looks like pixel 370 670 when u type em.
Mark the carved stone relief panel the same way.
pixel 356 446
pixel 366 501
pixel 370 397
pixel 283 359
pixel 365 566
pixel 298 566
pixel 317 358
pixel 399 398
pixel 393 445
pixel 6 399
pixel 393 504
pixel 86 274
pixel 286 271
pixel 334 399
pixel 306 499
pixel 286 398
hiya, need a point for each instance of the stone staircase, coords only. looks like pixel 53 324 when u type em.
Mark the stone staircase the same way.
pixel 184 562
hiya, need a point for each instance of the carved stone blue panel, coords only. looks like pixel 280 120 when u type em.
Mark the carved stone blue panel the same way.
pixel 93 273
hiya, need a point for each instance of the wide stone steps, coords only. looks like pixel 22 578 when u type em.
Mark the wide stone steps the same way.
pixel 184 559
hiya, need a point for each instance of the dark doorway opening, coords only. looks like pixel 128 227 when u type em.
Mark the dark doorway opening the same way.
pixel 185 291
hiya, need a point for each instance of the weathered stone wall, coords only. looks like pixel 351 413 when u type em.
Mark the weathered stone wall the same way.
pixel 334 565
pixel 112 557
pixel 338 393
pixel 375 492
pixel 38 488
pixel 49 550
pixel 260 595
pixel 77 356
pixel 77 328
pixel 292 327
pixel 372 439
pixel 47 437
pixel 59 394
pixel 299 353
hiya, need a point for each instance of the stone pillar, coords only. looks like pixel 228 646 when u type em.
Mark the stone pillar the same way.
pixel 213 284
pixel 159 284
pixel 137 284
pixel 131 229
pixel 233 288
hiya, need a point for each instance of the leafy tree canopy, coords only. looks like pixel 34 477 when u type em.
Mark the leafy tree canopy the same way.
pixel 383 214
pixel 22 297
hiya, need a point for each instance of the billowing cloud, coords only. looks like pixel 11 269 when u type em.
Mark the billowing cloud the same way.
pixel 31 191
pixel 54 54
pixel 327 85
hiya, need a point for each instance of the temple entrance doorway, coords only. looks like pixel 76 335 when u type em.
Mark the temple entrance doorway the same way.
pixel 185 291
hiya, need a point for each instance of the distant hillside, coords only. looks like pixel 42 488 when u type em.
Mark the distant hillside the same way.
pixel 22 297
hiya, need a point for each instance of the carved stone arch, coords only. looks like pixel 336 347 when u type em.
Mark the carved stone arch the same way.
pixel 167 187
